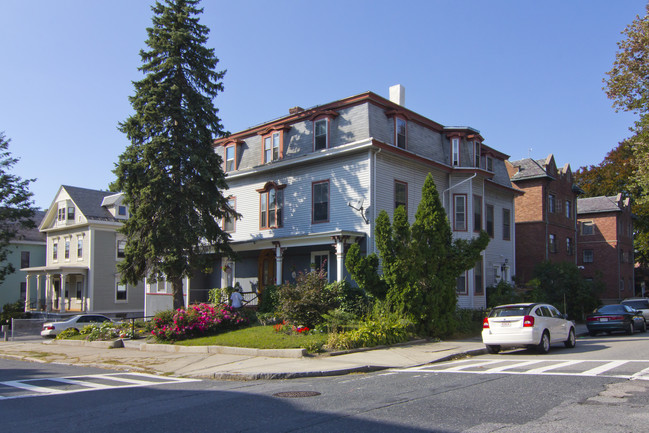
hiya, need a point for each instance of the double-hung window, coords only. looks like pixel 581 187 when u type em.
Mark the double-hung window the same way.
pixel 553 243
pixel 552 203
pixel 569 247
pixel 588 256
pixel 121 292
pixel 587 228
pixel 490 219
pixel 476 147
pixel 271 202
pixel 477 213
pixel 55 251
pixel 272 147
pixel 400 194
pixel 477 277
pixel 67 249
pixel 79 247
pixel 401 132
pixel 228 221
pixel 459 211
pixel 230 158
pixel 24 259
pixel 321 134
pixel 71 213
pixel 507 224
pixel 568 209
pixel 320 204
pixel 121 248
pixel 455 152
pixel 461 288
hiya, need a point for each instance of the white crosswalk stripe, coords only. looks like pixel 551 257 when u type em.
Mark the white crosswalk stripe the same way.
pixel 94 382
pixel 625 369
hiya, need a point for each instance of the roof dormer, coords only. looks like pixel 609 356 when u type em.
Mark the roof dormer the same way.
pixel 115 205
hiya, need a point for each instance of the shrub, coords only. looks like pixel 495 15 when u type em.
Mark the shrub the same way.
pixel 502 293
pixel 269 299
pixel 337 320
pixel 469 321
pixel 103 331
pixel 15 310
pixel 353 299
pixel 373 332
pixel 197 320
pixel 67 333
pixel 305 302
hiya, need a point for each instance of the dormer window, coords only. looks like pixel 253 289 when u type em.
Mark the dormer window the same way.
pixel 401 132
pixel 476 147
pixel 121 210
pixel 271 204
pixel 71 213
pixel 455 151
pixel 61 214
pixel 272 147
pixel 321 134
pixel 230 158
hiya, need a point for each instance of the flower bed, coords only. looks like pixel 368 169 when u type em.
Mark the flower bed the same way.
pixel 197 320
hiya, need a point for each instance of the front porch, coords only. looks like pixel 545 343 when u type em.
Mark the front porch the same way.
pixel 56 289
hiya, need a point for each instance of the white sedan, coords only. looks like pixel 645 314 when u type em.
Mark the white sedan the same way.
pixel 52 329
pixel 532 325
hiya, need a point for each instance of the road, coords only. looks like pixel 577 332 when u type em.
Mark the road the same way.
pixel 598 385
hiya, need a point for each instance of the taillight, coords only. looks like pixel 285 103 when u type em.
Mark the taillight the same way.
pixel 528 321
pixel 591 319
pixel 48 327
pixel 485 323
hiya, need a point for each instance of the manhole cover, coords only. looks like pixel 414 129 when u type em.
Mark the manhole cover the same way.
pixel 296 394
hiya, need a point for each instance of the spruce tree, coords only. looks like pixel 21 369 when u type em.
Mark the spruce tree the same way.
pixel 16 206
pixel 172 179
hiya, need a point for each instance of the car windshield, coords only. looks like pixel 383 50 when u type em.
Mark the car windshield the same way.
pixel 512 310
pixel 608 309
pixel 639 304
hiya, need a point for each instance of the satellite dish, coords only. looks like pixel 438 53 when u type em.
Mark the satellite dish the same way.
pixel 357 205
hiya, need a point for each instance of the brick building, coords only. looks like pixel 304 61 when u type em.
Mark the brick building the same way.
pixel 545 216
pixel 606 244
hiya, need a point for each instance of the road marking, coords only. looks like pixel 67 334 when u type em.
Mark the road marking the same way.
pixel 581 367
pixel 91 382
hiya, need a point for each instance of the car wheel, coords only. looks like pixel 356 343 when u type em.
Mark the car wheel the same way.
pixel 493 349
pixel 630 329
pixel 572 340
pixel 544 345
pixel 643 328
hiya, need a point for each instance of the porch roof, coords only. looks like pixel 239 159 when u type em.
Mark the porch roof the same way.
pixel 42 270
pixel 308 239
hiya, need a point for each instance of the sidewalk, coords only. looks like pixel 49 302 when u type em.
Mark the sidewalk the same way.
pixel 237 364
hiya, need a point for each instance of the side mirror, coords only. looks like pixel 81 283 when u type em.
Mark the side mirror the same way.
pixel 564 316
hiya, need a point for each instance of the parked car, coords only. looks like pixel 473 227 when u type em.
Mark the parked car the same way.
pixel 616 317
pixel 640 304
pixel 52 329
pixel 532 325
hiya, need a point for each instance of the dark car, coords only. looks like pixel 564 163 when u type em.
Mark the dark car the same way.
pixel 640 304
pixel 610 318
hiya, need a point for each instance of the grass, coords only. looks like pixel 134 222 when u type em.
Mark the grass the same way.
pixel 260 337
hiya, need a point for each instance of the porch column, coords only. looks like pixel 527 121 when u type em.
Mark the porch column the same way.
pixel 279 251
pixel 39 304
pixel 62 297
pixel 48 293
pixel 27 292
pixel 340 256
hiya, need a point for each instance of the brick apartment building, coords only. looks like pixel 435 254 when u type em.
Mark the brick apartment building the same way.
pixel 545 216
pixel 606 244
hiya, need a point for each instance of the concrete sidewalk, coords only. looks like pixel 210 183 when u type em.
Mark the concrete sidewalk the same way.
pixel 238 363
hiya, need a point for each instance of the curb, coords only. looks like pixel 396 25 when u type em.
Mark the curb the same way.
pixel 224 350
pixel 98 344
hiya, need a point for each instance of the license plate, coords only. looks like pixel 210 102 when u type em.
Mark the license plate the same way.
pixel 603 319
pixel 505 324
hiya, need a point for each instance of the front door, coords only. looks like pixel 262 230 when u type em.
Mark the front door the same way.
pixel 266 269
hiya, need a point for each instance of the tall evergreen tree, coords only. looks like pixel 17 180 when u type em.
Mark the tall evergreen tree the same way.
pixel 16 205
pixel 171 177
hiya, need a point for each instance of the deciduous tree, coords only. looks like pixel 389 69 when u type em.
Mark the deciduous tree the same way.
pixel 171 177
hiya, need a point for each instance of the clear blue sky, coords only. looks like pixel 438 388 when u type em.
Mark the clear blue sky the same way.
pixel 527 74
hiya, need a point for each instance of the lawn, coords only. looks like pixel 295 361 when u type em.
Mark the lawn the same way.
pixel 260 337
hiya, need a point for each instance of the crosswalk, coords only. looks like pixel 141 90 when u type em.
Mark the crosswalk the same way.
pixel 94 382
pixel 623 369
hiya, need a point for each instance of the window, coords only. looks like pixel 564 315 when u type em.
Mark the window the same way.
pixel 121 210
pixel 621 285
pixel 477 213
pixel 79 289
pixel 490 220
pixel 67 248
pixel 23 290
pixel 476 146
pixel 121 248
pixel 455 152
pixel 272 147
pixel 71 213
pixel 477 276
pixel 588 256
pixel 400 133
pixel 490 164
pixel 320 261
pixel 507 224
pixel 61 214
pixel 228 222
pixel 321 134
pixel 229 158
pixel 320 205
pixel 400 194
pixel 79 247
pixel 587 228
pixel 24 259
pixel 121 292
pixel 461 288
pixel 55 251
pixel 622 257
pixel 552 203
pixel 568 209
pixel 570 248
pixel 271 202
pixel 552 243
pixel 459 211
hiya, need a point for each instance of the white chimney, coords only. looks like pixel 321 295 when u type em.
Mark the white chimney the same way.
pixel 398 94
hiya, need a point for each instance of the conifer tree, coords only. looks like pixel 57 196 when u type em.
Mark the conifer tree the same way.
pixel 172 179
pixel 16 206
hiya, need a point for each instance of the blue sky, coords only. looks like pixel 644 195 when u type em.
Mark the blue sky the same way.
pixel 527 74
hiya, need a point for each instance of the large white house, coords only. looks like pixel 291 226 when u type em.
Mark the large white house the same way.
pixel 310 184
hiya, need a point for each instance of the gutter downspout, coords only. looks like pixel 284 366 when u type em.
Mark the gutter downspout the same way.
pixel 373 202
pixel 453 186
